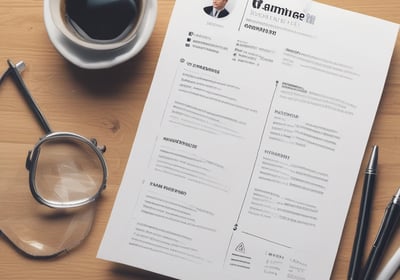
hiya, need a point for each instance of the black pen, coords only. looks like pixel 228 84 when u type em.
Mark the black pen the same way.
pixel 363 216
pixel 388 225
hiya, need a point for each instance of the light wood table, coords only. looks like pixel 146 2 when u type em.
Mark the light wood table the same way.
pixel 107 104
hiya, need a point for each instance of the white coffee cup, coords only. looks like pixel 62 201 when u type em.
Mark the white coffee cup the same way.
pixel 77 34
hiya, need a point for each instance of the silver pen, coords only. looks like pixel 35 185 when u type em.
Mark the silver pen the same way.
pixel 388 226
pixel 391 267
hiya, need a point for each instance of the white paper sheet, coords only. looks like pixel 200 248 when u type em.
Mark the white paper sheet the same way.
pixel 251 140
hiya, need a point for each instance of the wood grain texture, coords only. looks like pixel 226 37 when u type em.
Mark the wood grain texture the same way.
pixel 107 105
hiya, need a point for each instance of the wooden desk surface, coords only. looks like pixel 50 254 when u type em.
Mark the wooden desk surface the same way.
pixel 107 104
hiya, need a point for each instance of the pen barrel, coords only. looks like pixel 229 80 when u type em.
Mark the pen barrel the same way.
pixel 386 230
pixel 28 97
pixel 362 226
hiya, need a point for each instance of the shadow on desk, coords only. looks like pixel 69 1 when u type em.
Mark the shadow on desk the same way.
pixel 121 270
pixel 112 81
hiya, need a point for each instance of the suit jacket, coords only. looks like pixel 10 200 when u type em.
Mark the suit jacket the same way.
pixel 222 13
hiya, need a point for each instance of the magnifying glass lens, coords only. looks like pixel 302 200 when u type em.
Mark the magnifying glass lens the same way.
pixel 67 172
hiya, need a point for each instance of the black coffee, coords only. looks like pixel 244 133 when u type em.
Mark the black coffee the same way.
pixel 101 19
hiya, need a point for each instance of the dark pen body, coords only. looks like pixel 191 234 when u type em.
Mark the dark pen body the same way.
pixel 388 226
pixel 363 216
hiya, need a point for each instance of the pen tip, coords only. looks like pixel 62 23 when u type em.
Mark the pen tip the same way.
pixel 397 195
pixel 373 160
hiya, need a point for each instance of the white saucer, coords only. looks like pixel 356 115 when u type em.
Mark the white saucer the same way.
pixel 90 59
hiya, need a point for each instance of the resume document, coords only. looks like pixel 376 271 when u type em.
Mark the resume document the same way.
pixel 250 142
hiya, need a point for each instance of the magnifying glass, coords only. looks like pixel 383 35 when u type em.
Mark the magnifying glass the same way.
pixel 65 168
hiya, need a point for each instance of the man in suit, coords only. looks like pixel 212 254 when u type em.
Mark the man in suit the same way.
pixel 217 9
